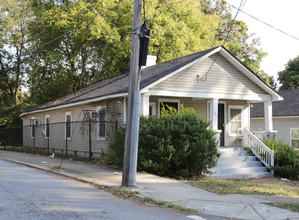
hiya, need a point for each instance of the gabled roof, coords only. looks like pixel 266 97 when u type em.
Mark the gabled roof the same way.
pixel 150 76
pixel 288 107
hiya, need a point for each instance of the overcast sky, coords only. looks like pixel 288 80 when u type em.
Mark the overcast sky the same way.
pixel 283 15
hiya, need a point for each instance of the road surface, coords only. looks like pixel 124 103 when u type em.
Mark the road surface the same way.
pixel 27 193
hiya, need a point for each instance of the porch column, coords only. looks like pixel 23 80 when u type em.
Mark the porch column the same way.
pixel 268 115
pixel 145 105
pixel 214 114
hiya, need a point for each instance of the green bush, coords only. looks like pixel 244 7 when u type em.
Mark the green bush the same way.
pixel 177 144
pixel 286 159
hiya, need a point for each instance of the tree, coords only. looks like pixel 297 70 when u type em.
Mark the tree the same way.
pixel 289 77
pixel 14 44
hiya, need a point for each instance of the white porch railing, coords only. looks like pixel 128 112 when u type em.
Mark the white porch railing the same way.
pixel 259 149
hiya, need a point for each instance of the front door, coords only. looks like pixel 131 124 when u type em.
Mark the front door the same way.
pixel 221 123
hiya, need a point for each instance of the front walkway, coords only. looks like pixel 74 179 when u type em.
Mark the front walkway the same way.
pixel 158 188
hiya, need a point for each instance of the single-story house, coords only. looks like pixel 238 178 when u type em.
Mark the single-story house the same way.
pixel 285 117
pixel 213 82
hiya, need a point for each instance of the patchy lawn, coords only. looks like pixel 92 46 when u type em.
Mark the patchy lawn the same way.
pixel 289 206
pixel 258 186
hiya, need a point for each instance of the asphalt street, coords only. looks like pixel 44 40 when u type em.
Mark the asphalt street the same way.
pixel 26 193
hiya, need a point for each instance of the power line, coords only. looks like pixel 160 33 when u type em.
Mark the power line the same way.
pixel 229 30
pixel 269 25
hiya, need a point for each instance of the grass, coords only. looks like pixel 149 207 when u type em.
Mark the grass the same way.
pixel 135 196
pixel 238 186
pixel 289 206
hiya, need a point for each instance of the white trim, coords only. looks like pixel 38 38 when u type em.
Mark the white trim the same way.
pixel 293 138
pixel 145 89
pixel 168 100
pixel 277 117
pixel 45 126
pixel 76 103
pixel 241 107
pixel 31 127
pixel 195 94
pixel 100 108
pixel 68 114
pixel 153 105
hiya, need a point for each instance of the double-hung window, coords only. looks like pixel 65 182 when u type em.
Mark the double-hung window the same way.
pixel 68 125
pixel 295 138
pixel 101 123
pixel 47 126
pixel 33 124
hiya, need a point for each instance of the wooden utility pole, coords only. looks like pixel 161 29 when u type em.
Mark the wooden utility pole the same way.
pixel 134 79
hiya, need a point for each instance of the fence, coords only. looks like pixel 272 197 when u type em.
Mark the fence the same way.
pixel 88 138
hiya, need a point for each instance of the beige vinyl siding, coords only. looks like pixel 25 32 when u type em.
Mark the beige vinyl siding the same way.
pixel 281 125
pixel 223 77
pixel 79 140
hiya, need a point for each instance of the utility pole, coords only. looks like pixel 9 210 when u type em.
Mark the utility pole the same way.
pixel 132 129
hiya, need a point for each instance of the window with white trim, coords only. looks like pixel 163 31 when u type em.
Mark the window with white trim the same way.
pixel 47 126
pixel 33 124
pixel 68 125
pixel 174 103
pixel 235 119
pixel 295 138
pixel 101 124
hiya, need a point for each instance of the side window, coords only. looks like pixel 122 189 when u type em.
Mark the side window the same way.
pixel 101 125
pixel 47 126
pixel 68 126
pixel 295 138
pixel 33 124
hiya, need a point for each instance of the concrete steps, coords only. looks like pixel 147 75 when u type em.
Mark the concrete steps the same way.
pixel 237 163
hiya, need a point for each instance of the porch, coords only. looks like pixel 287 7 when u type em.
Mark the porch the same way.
pixel 230 118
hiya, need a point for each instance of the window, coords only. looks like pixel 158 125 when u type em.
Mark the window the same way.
pixel 33 124
pixel 101 125
pixel 152 109
pixel 295 137
pixel 68 127
pixel 47 126
pixel 92 114
pixel 235 119
pixel 175 103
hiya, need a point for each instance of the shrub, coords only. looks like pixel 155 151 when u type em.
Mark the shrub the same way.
pixel 177 144
pixel 286 160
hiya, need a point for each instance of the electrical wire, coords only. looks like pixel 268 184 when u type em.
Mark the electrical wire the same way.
pixel 205 77
pixel 269 25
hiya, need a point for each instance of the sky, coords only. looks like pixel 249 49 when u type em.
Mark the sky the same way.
pixel 283 15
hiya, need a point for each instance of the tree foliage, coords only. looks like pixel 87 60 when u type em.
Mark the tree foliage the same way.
pixel 177 144
pixel 55 47
pixel 289 77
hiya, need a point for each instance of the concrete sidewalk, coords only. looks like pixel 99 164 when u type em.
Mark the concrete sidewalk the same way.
pixel 158 188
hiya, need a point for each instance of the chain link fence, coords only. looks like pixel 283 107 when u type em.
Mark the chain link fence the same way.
pixel 87 138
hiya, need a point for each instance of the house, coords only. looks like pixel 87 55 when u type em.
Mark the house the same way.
pixel 213 82
pixel 285 117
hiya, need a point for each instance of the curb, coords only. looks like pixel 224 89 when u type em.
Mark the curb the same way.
pixel 93 183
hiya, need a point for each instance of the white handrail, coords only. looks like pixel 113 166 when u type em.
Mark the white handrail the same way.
pixel 258 148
